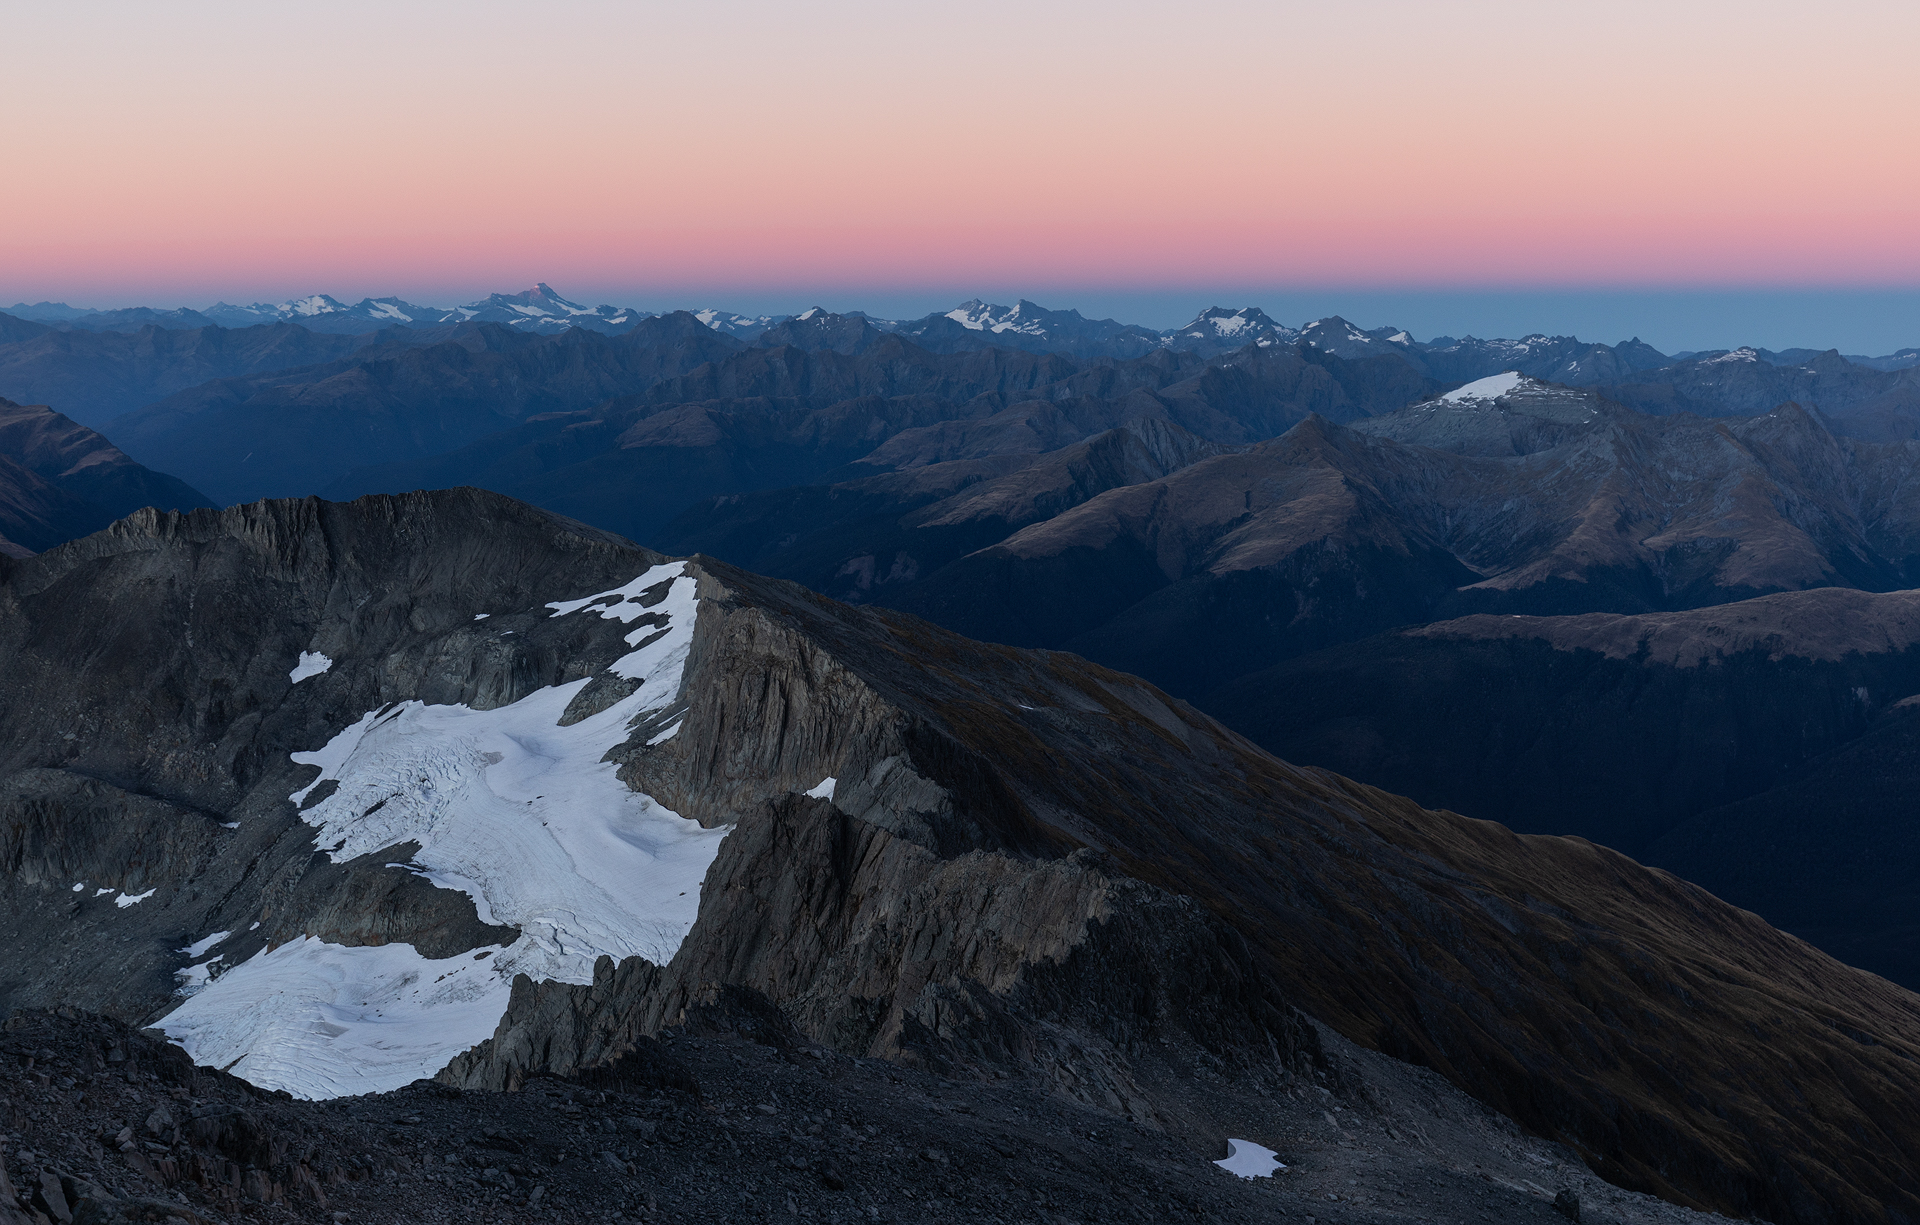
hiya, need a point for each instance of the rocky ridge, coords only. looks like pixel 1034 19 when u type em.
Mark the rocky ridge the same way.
pixel 981 862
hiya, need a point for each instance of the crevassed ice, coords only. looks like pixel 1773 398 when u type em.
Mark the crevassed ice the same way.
pixel 510 808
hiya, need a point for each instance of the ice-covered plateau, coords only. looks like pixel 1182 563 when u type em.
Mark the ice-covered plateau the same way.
pixel 507 806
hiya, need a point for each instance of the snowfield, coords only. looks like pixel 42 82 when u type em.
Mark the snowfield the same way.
pixel 1490 388
pixel 508 807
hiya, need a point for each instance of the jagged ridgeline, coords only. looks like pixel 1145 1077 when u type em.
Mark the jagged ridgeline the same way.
pixel 344 795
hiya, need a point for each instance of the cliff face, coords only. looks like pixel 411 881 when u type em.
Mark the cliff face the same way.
pixel 370 782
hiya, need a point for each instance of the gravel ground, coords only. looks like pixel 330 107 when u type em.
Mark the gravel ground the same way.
pixel 104 1124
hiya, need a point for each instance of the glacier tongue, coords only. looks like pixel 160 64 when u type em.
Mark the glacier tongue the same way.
pixel 511 808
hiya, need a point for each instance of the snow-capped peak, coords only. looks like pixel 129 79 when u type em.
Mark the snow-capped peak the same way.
pixel 1746 353
pixel 1234 326
pixel 312 304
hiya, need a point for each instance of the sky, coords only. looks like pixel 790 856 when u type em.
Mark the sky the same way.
pixel 1698 173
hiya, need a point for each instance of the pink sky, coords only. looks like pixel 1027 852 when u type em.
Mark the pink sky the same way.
pixel 180 153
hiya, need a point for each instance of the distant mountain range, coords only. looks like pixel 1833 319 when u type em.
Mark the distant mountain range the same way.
pixel 972 324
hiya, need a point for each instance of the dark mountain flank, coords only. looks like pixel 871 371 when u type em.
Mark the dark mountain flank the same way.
pixel 779 416
pixel 95 376
pixel 298 431
pixel 973 859
pixel 59 480
pixel 1768 741
pixel 1507 495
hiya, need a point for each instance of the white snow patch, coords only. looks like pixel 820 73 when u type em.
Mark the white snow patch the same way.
pixel 312 663
pixel 133 899
pixel 481 616
pixel 508 807
pixel 1250 1160
pixel 80 886
pixel 665 657
pixel 199 947
pixel 324 1020
pixel 1490 388
pixel 824 791
pixel 103 892
pixel 229 825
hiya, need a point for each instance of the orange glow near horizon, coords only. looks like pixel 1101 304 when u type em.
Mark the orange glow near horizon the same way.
pixel 430 150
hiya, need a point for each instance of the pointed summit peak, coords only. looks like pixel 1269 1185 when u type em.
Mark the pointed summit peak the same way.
pixel 1234 326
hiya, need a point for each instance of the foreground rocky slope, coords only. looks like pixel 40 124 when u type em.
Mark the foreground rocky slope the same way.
pixel 735 1118
pixel 983 862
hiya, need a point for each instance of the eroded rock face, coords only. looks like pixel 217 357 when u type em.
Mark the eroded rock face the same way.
pixel 976 964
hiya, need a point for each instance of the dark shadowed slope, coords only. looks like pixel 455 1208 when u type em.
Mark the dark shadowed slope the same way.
pixel 1759 748
pixel 59 480
pixel 296 432
pixel 94 377
pixel 1525 498
pixel 771 417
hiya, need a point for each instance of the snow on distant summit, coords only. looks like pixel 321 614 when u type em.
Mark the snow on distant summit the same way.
pixel 1023 317
pixel 1342 339
pixel 1220 328
pixel 741 327
pixel 314 304
pixel 540 309
pixel 1490 388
